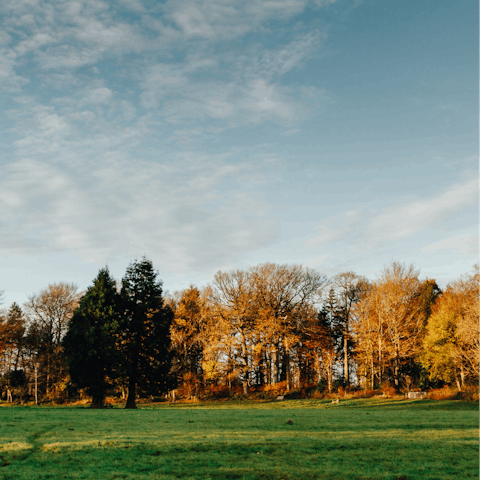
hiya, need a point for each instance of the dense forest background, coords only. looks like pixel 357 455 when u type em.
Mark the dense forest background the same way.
pixel 267 330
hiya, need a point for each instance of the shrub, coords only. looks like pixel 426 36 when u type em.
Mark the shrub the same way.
pixel 387 389
pixel 368 393
pixel 219 391
pixel 322 386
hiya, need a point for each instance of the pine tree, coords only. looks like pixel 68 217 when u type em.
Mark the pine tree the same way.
pixel 145 332
pixel 90 343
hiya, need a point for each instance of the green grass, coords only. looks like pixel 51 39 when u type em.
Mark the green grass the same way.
pixel 356 439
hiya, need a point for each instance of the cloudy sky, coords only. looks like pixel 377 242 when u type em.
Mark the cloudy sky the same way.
pixel 218 134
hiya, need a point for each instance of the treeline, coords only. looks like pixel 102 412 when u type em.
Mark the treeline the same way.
pixel 270 328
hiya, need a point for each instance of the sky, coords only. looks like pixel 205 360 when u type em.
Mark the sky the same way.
pixel 220 134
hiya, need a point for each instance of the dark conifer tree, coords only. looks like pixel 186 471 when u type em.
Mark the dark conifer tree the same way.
pixel 329 316
pixel 91 341
pixel 145 332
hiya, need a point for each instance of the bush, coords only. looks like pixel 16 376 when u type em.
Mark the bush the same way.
pixel 279 388
pixel 339 382
pixel 219 391
pixel 368 393
pixel 387 389
pixel 322 386
pixel 469 393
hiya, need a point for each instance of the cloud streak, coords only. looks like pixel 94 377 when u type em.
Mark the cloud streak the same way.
pixel 178 209
pixel 369 228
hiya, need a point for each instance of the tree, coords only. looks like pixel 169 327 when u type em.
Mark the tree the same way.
pixel 189 334
pixel 90 343
pixel 12 332
pixel 349 287
pixel 284 299
pixel 50 311
pixel 369 345
pixel 12 352
pixel 451 345
pixel 145 336
pixel 390 320
pixel 231 295
pixel 398 304
pixel 328 338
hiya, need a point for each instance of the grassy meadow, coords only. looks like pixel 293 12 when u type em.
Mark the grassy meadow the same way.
pixel 355 439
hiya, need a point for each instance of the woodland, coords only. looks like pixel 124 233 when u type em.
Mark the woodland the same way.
pixel 256 333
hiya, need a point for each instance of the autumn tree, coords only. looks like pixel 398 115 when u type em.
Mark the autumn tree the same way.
pixel 49 312
pixel 348 289
pixel 392 316
pixel 370 342
pixel 283 298
pixel 145 332
pixel 232 298
pixel 12 342
pixel 451 346
pixel 91 340
pixel 12 331
pixel 189 334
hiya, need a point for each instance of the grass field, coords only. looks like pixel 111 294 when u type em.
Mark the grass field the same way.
pixel 356 439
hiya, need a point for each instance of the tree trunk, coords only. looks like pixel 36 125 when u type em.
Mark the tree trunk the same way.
pixel 345 358
pixel 330 374
pixel 286 360
pixel 131 394
pixel 245 377
pixel 396 369
pixel 132 383
pixel 98 402
pixel 36 384
pixel 245 366
pixel 372 373
pixel 274 363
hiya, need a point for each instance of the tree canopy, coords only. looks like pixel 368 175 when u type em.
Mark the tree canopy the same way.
pixel 145 332
pixel 91 341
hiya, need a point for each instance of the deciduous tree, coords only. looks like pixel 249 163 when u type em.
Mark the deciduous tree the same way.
pixel 283 297
pixel 189 335
pixel 451 346
pixel 50 311
pixel 232 299
pixel 348 289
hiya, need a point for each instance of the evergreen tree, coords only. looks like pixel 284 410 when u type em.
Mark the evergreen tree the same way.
pixel 145 332
pixel 90 343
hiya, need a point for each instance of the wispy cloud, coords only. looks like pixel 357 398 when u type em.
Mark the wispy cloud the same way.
pixel 369 228
pixel 250 93
pixel 461 243
pixel 210 82
pixel 424 213
pixel 227 19
pixel 179 209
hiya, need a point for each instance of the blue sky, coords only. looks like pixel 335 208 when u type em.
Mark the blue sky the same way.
pixel 215 135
